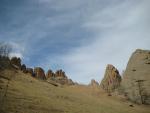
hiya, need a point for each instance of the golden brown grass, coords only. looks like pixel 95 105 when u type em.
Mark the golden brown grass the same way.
pixel 29 95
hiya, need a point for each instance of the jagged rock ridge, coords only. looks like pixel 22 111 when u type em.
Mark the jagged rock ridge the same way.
pixel 58 77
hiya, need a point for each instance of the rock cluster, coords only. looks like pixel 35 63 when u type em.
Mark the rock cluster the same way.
pixel 136 78
pixel 60 73
pixel 111 78
pixel 59 77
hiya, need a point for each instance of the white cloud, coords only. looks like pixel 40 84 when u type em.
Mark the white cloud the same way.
pixel 17 50
pixel 15 55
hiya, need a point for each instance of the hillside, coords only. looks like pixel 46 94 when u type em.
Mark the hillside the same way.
pixel 26 94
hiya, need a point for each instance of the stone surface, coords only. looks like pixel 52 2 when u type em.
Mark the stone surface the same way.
pixel 136 78
pixel 39 73
pixel 112 79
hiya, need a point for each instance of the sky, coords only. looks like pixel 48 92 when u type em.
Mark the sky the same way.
pixel 79 36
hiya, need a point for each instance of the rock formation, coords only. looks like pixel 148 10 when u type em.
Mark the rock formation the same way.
pixel 59 77
pixel 136 78
pixel 60 73
pixel 94 83
pixel 111 78
pixel 39 73
pixel 16 62
pixel 50 74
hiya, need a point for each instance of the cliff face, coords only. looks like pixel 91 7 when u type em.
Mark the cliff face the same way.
pixel 136 78
pixel 111 79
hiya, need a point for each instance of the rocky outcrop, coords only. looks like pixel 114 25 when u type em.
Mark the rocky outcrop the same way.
pixel 111 79
pixel 59 77
pixel 39 73
pixel 50 74
pixel 60 73
pixel 94 83
pixel 136 78
pixel 16 62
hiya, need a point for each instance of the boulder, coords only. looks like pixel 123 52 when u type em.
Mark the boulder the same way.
pixel 39 73
pixel 111 80
pixel 136 78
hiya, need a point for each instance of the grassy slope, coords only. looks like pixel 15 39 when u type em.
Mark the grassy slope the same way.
pixel 29 95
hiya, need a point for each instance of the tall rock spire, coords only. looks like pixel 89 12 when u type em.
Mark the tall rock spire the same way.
pixel 111 78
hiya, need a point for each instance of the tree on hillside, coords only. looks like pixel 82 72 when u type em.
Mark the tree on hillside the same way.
pixel 5 49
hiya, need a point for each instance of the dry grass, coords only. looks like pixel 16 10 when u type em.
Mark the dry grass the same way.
pixel 29 95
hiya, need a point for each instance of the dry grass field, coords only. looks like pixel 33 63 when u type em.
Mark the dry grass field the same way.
pixel 21 93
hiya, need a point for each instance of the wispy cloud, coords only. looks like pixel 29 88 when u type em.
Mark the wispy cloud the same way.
pixel 119 30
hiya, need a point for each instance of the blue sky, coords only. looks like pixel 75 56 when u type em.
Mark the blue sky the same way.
pixel 78 36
